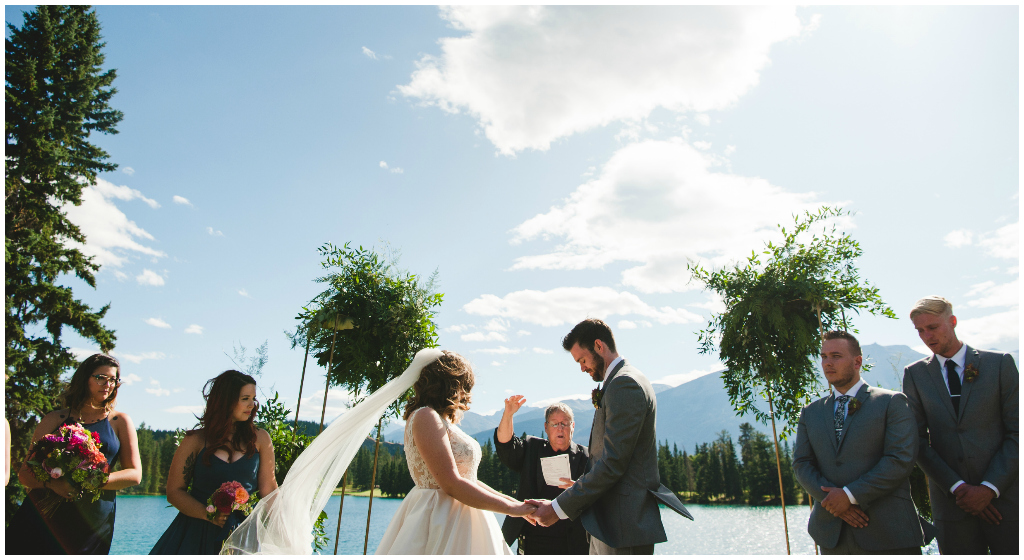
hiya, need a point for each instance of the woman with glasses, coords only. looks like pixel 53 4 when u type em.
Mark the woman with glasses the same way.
pixel 524 457
pixel 79 526
pixel 226 446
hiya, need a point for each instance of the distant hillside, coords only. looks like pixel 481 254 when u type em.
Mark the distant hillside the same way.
pixel 693 412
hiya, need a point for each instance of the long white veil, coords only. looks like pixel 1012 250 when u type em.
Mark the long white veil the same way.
pixel 282 521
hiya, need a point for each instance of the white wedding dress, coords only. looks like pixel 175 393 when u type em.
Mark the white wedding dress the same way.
pixel 432 522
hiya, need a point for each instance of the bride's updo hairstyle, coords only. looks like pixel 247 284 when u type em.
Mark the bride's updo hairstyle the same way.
pixel 444 385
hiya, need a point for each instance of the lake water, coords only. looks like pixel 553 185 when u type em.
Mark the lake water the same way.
pixel 717 529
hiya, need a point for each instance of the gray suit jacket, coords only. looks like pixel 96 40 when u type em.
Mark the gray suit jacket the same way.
pixel 873 459
pixel 980 444
pixel 615 499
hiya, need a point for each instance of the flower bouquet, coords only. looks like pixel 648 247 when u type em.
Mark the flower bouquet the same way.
pixel 231 496
pixel 72 453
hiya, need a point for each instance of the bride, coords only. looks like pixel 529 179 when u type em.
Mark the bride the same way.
pixel 444 512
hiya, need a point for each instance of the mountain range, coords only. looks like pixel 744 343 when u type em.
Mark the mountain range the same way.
pixel 692 412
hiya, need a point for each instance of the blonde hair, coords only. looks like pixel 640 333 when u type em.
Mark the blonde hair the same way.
pixel 933 305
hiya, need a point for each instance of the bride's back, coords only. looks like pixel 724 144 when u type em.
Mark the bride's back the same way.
pixel 465 449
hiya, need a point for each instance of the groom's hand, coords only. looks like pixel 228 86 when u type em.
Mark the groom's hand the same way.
pixel 837 502
pixel 545 514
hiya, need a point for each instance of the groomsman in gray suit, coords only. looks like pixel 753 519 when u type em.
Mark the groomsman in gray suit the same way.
pixel 854 453
pixel 617 498
pixel 965 401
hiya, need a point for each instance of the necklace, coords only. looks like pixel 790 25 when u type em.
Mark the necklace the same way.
pixel 81 416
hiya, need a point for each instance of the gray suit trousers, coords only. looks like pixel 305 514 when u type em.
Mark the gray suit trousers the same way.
pixel 598 547
pixel 971 535
pixel 848 545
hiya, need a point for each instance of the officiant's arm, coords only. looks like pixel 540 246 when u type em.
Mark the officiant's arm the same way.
pixel 625 403
pixel 431 438
pixel 931 463
pixel 898 454
pixel 805 463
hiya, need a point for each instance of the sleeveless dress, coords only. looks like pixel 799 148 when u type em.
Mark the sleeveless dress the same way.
pixel 432 522
pixel 188 535
pixel 81 527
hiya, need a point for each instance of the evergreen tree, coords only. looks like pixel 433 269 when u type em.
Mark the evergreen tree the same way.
pixel 56 96
pixel 687 473
pixel 730 468
pixel 716 479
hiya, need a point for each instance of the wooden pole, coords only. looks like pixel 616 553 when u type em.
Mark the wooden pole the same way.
pixel 778 463
pixel 337 532
pixel 373 483
pixel 330 362
pixel 302 381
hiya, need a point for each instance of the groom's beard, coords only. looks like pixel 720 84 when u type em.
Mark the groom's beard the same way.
pixel 599 366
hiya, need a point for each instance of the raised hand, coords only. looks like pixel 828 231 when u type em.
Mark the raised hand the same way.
pixel 513 403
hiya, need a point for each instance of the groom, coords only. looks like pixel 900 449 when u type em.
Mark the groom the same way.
pixel 617 499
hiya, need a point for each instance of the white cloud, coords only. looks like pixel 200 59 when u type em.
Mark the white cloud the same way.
pixel 658 204
pixel 384 165
pixel 458 328
pixel 999 330
pixel 214 232
pixel 128 171
pixel 500 350
pixel 680 378
pixel 496 324
pixel 523 333
pixel 82 353
pixel 338 401
pixel 121 276
pixel 991 294
pixel 109 234
pixel 139 358
pixel 958 238
pixel 129 379
pixel 626 324
pixel 482 337
pixel 1004 243
pixel 159 323
pixel 196 409
pixel 570 305
pixel 149 278
pixel 714 303
pixel 244 293
pixel 369 53
pixel 729 150
pixel 496 363
pixel 533 74
pixel 545 402
pixel 181 200
pixel 702 118
pixel 543 350
pixel 156 389
pixel 194 329
pixel 702 145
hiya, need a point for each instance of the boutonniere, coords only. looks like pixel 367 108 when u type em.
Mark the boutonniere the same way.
pixel 971 373
pixel 853 406
pixel 595 397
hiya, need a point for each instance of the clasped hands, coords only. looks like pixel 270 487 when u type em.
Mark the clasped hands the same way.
pixel 838 504
pixel 977 501
pixel 544 515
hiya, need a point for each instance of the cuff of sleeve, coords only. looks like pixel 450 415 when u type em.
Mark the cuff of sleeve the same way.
pixel 850 495
pixel 558 511
pixel 955 486
pixel 992 486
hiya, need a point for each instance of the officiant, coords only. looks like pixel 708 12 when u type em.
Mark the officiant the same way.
pixel 524 456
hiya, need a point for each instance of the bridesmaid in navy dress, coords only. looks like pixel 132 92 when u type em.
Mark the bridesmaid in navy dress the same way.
pixel 225 447
pixel 79 526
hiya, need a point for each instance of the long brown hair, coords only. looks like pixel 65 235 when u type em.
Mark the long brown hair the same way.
pixel 221 394
pixel 77 392
pixel 444 385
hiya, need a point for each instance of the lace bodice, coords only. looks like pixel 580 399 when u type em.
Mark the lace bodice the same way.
pixel 465 449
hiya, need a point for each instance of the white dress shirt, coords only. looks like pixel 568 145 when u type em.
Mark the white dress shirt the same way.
pixel 960 359
pixel 554 503
pixel 851 392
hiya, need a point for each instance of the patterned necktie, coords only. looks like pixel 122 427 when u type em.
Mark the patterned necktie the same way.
pixel 840 415
pixel 954 385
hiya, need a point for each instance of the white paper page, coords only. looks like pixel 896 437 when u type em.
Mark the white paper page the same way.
pixel 555 468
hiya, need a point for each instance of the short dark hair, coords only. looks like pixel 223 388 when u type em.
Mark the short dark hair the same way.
pixel 854 345
pixel 586 332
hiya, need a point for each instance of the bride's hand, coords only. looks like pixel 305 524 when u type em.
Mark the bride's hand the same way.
pixel 521 509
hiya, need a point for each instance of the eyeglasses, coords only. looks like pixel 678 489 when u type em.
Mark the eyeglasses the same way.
pixel 106 380
pixel 562 425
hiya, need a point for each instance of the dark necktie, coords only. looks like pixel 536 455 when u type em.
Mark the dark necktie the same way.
pixel 954 385
pixel 840 415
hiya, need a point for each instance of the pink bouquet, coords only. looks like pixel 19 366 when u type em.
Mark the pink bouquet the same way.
pixel 231 496
pixel 72 453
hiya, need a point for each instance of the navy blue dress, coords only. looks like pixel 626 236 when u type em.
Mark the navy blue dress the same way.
pixel 188 535
pixel 81 527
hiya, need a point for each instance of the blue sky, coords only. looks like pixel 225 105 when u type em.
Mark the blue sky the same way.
pixel 549 163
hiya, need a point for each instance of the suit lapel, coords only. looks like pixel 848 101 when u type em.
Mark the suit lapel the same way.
pixel 939 383
pixel 830 418
pixel 971 357
pixel 862 396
